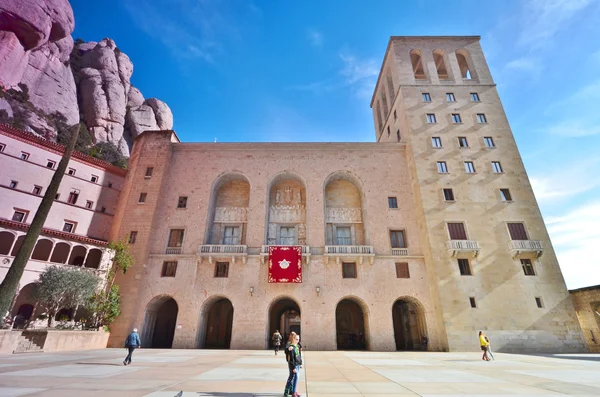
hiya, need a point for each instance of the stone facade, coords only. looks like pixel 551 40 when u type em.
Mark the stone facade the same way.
pixel 338 201
pixel 587 305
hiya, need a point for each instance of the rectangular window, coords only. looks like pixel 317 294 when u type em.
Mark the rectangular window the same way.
pixel 395 116
pixel 398 135
pixel 37 190
pixel 496 167
pixel 132 237
pixel 19 216
pixel 89 204
pixel 222 269
pixel 69 227
pixel 442 167
pixel 538 302
pixel 457 231
pixel 465 267
pixel 392 202
pixel 469 167
pixel 103 209
pixel 450 97
pixel 13 184
pixel 397 239
pixel 505 195
pixel 24 156
pixel 448 195
pixel 517 231
pixel 426 97
pixel 462 142
pixel 388 130
pixel 436 142
pixel 348 269
pixel 149 172
pixel 94 178
pixel 287 235
pixel 175 238
pixel 182 202
pixel 142 198
pixel 474 97
pixel 71 171
pixel 2 146
pixel 402 270
pixel 481 119
pixel 527 267
pixel 73 196
pixel 343 235
pixel 109 184
pixel 232 235
pixel 472 302
pixel 489 141
pixel 169 269
pixel 50 164
pixel 456 118
pixel 431 118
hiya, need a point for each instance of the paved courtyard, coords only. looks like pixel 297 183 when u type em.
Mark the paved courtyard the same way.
pixel 183 373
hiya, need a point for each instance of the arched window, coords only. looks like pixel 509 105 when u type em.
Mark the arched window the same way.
pixel 440 64
pixel 385 104
pixel 463 65
pixel 378 111
pixel 391 90
pixel 417 64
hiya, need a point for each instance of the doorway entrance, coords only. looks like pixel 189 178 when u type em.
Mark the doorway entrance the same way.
pixel 350 326
pixel 284 315
pixel 219 323
pixel 409 325
pixel 160 321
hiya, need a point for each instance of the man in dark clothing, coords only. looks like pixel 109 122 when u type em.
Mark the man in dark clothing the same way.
pixel 131 343
pixel 276 339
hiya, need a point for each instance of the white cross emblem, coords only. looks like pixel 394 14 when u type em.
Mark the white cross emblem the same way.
pixel 284 264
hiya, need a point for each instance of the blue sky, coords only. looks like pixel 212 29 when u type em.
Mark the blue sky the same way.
pixel 276 70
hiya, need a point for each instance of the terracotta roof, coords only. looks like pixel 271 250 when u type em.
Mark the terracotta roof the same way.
pixel 53 232
pixel 32 139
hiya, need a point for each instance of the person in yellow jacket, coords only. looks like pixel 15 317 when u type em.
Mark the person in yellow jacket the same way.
pixel 484 346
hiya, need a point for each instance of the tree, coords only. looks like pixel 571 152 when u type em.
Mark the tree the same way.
pixel 9 285
pixel 61 287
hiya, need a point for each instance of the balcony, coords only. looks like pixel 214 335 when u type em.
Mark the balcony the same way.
pixel 173 251
pixel 399 251
pixel 229 251
pixel 519 248
pixel 463 247
pixel 264 252
pixel 352 252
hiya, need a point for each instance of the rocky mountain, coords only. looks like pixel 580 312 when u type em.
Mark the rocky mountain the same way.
pixel 48 81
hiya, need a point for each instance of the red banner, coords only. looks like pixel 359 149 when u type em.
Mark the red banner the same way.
pixel 285 264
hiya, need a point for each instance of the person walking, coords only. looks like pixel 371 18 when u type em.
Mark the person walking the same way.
pixel 490 348
pixel 484 346
pixel 131 343
pixel 276 340
pixel 294 360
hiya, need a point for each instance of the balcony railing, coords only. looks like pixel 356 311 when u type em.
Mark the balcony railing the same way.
pixel 211 251
pixel 460 247
pixel 264 251
pixel 520 247
pixel 173 251
pixel 350 251
pixel 399 251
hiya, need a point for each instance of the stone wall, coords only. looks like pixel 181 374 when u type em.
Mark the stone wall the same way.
pixel 587 306
pixel 51 340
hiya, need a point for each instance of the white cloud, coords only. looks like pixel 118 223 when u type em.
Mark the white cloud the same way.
pixel 575 128
pixel 528 64
pixel 576 237
pixel 543 19
pixel 563 181
pixel 579 113
pixel 360 74
pixel 315 37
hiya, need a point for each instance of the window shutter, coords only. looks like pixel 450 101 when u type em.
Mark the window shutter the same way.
pixel 175 238
pixel 517 231
pixel 457 231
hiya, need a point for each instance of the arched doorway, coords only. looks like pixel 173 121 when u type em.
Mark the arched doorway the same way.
pixel 284 315
pixel 219 324
pixel 25 304
pixel 160 322
pixel 6 241
pixel 409 324
pixel 350 326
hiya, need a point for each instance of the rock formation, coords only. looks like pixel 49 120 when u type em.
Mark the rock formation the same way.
pixel 88 82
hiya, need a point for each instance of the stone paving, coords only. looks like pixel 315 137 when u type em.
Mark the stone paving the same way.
pixel 227 373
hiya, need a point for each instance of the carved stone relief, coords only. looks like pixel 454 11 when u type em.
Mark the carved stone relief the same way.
pixel 287 214
pixel 343 215
pixel 231 214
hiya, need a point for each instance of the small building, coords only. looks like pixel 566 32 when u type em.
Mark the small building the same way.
pixel 77 228
pixel 587 306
